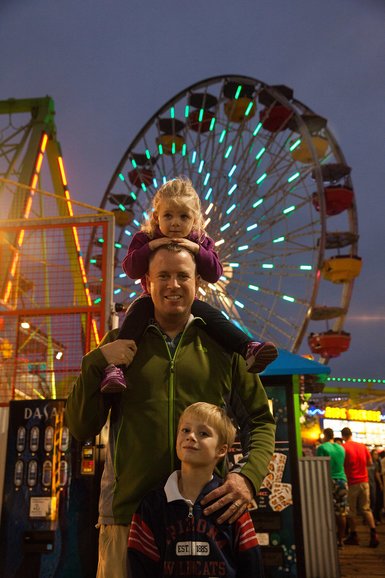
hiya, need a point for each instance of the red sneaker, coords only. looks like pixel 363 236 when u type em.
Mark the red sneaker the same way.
pixel 259 355
pixel 113 381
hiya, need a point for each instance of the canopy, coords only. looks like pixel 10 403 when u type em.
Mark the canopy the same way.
pixel 292 364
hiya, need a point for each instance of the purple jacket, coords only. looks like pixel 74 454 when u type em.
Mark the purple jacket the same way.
pixel 135 263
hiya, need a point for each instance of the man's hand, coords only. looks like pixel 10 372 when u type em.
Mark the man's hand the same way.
pixel 236 492
pixel 119 352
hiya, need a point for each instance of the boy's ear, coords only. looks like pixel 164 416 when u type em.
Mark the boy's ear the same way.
pixel 222 450
pixel 156 218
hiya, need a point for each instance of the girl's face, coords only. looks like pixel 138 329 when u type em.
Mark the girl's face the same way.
pixel 174 221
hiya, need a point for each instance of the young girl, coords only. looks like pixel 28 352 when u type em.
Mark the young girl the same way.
pixel 177 217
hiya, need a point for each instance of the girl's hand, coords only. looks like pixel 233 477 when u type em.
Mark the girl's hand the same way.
pixel 159 242
pixel 187 244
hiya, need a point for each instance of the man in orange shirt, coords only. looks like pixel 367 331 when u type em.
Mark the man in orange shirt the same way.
pixel 357 458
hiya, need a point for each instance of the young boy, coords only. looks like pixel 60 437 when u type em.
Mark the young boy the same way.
pixel 170 535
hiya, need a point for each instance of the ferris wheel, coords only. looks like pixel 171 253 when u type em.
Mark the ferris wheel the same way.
pixel 278 199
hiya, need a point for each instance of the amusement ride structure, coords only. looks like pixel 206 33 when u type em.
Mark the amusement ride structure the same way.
pixel 279 201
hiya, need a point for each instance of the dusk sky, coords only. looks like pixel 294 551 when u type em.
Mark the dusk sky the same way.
pixel 109 66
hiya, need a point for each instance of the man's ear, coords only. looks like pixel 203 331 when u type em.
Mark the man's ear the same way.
pixel 147 278
pixel 198 280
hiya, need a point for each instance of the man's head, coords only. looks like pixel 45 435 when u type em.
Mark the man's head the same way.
pixel 172 282
pixel 346 433
pixel 205 434
pixel 328 434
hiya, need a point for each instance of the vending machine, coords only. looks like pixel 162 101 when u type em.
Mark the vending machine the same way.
pixel 51 490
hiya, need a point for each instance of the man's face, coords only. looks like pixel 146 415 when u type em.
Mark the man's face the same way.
pixel 172 283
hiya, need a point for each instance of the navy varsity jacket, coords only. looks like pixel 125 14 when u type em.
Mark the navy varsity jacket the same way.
pixel 170 536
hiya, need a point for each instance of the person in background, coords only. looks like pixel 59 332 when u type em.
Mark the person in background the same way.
pixel 336 453
pixel 176 363
pixel 357 458
pixel 378 500
pixel 176 216
pixel 170 535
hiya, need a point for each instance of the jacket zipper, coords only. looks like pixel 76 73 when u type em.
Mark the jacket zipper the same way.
pixel 171 393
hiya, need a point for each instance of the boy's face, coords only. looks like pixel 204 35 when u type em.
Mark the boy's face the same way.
pixel 198 444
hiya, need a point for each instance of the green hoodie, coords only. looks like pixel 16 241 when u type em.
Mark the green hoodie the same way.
pixel 143 419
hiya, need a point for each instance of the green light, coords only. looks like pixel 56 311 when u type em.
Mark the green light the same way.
pixel 100 240
pixel 295 145
pixel 257 129
pixel 248 109
pixel 278 240
pixel 288 298
pixel 222 137
pixel 207 177
pixel 254 287
pixel 186 111
pixel 293 177
pixel 118 245
pixel 201 114
pixel 212 123
pixel 97 300
pixel 93 261
pixel 148 154
pixel 184 149
pixel 144 187
pixel 160 149
pixel 172 112
pixel 122 207
pixel 243 247
pixel 201 165
pixel 227 154
pixel 267 266
pixel 121 177
pixel 231 172
pixel 306 267
pixel 288 210
pixel 238 92
pixel 231 209
pixel 257 203
pixel 133 162
pixel 260 153
pixel 132 194
pixel 261 178
pixel 173 148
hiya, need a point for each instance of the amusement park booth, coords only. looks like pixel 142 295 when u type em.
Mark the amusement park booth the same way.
pixel 294 516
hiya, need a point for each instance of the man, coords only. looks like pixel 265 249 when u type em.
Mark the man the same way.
pixel 336 453
pixel 176 364
pixel 357 459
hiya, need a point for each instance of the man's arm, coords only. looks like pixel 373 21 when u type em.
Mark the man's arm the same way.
pixel 87 408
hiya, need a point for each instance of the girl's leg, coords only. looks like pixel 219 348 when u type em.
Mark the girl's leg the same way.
pixel 135 322
pixel 257 354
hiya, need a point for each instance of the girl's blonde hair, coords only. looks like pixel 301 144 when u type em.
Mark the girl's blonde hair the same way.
pixel 214 416
pixel 178 191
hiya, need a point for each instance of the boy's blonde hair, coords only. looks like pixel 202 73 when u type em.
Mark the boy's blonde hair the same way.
pixel 178 191
pixel 215 417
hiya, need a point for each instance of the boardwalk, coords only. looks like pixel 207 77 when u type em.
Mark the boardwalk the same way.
pixel 361 561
